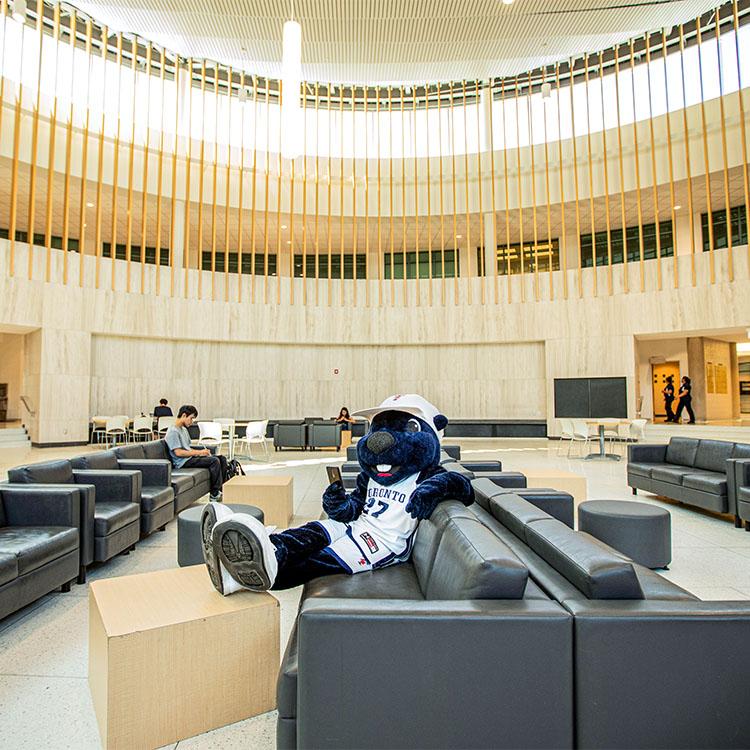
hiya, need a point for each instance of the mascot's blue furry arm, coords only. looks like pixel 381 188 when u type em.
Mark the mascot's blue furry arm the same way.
pixel 434 484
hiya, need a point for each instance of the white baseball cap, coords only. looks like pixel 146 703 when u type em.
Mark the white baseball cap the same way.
pixel 411 403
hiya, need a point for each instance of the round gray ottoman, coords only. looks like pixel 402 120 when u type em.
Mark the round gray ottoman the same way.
pixel 189 549
pixel 641 531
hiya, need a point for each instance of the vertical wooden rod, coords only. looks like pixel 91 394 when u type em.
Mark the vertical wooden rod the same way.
pixel 590 165
pixel 654 176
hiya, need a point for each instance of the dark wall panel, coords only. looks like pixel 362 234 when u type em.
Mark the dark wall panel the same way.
pixel 590 398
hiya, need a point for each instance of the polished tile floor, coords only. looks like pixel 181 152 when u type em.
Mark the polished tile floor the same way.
pixel 44 695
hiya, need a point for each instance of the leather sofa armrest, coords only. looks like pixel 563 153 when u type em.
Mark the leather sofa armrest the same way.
pixel 424 672
pixel 114 486
pixel 738 475
pixel 647 453
pixel 36 505
pixel 680 667
pixel 154 471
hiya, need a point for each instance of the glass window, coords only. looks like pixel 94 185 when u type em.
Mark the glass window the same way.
pixel 544 256
pixel 247 263
pixel 633 241
pixel 121 253
pixel 322 266
pixel 738 219
pixel 394 264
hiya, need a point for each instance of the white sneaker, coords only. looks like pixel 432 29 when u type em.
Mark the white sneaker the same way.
pixel 216 498
pixel 246 551
pixel 212 514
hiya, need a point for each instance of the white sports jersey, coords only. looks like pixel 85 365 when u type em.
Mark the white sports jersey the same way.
pixel 383 533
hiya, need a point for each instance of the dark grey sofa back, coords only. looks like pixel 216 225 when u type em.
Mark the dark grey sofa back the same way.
pixel 132 451
pixel 46 472
pixel 106 460
pixel 594 569
pixel 472 563
pixel 156 449
pixel 682 451
pixel 741 450
pixel 713 454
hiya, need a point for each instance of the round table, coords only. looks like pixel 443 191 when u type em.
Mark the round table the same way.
pixel 189 547
pixel 641 531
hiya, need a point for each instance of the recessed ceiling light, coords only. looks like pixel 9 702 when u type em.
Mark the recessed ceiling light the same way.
pixel 89 205
pixel 507 2
pixel 288 242
pixel 459 236
pixel 677 208
pixel 283 226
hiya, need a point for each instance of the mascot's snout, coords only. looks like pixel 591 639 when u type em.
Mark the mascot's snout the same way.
pixel 379 442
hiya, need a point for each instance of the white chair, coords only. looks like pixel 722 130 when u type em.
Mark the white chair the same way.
pixel 164 424
pixel 227 429
pixel 99 430
pixel 211 434
pixel 612 433
pixel 143 428
pixel 256 433
pixel 637 430
pixel 581 434
pixel 116 427
pixel 566 433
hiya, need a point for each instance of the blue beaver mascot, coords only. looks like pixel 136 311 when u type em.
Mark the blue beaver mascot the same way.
pixel 400 484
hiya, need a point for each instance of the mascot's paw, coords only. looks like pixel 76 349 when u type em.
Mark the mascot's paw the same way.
pixel 422 503
pixel 336 502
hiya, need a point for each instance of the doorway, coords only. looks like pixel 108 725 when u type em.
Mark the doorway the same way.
pixel 659 374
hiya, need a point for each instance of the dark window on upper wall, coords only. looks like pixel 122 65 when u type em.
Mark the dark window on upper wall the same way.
pixel 393 264
pixel 322 265
pixel 738 218
pixel 247 263
pixel 632 235
pixel 40 240
pixel 542 256
pixel 121 253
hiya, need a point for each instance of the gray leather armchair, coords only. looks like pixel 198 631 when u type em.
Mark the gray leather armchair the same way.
pixel 324 434
pixel 290 433
pixel 157 495
pixel 110 508
pixel 39 549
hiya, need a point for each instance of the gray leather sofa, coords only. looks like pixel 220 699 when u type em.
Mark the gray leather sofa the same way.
pixel 38 543
pixel 449 651
pixel 738 488
pixel 324 434
pixel 689 470
pixel 110 506
pixel 157 495
pixel 290 433
pixel 188 484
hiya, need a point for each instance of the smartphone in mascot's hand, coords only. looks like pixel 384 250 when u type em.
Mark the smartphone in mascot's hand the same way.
pixel 334 474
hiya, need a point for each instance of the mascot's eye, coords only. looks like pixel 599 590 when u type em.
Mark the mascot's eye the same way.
pixel 413 426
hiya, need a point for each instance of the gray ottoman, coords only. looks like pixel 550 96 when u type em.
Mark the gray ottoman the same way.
pixel 641 531
pixel 189 550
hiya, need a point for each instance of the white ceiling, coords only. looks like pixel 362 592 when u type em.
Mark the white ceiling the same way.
pixel 387 41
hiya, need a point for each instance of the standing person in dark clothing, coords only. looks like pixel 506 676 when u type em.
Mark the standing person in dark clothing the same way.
pixel 163 409
pixel 182 454
pixel 685 401
pixel 668 393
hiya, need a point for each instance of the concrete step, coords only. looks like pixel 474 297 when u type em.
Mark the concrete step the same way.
pixel 14 437
pixel 6 445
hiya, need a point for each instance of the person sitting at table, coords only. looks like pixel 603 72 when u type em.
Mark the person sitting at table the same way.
pixel 344 419
pixel 163 410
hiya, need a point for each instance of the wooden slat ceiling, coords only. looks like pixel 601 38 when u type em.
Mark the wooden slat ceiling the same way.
pixel 388 41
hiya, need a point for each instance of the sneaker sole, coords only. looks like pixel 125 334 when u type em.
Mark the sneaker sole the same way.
pixel 210 556
pixel 242 556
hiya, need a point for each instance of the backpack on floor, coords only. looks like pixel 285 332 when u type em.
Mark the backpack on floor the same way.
pixel 234 468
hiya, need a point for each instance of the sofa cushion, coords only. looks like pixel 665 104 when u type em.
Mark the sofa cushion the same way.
pixel 671 474
pixel 593 568
pixel 706 481
pixel 393 582
pixel 286 685
pixel 34 546
pixel 200 476
pixel 641 469
pixel 109 517
pixel 472 563
pixel 515 513
pixel 8 568
pixel 713 454
pixel 427 538
pixel 135 450
pixel 182 482
pixel 682 451
pixel 46 472
pixel 153 498
pixel 155 449
pixel 98 460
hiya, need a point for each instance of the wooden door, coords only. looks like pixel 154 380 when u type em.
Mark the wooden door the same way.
pixel 659 375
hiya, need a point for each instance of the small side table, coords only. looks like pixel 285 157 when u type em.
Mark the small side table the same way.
pixel 274 495
pixel 641 531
